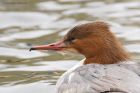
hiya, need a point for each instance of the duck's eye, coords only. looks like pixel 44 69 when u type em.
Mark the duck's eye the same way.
pixel 71 39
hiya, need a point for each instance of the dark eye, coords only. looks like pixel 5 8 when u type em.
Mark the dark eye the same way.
pixel 71 39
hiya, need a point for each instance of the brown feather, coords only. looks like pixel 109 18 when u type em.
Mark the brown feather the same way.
pixel 97 43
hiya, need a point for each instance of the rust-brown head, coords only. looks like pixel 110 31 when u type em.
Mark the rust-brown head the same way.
pixel 94 40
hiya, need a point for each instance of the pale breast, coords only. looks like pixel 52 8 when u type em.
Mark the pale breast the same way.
pixel 97 78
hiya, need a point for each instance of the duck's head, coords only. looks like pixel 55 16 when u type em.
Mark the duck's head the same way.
pixel 94 40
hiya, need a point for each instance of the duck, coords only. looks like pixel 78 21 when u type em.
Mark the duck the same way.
pixel 107 67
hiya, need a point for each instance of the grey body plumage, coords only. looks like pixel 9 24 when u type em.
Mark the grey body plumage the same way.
pixel 101 78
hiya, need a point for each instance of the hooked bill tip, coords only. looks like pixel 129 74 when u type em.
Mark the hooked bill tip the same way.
pixel 31 49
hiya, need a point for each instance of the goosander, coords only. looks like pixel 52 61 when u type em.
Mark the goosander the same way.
pixel 107 67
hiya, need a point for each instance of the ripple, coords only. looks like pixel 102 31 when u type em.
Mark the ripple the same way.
pixel 129 33
pixel 25 19
pixel 94 11
pixel 20 53
pixel 45 66
pixel 129 13
pixel 133 48
pixel 28 88
pixel 3 66
pixel 25 35
pixel 51 5
pixel 59 24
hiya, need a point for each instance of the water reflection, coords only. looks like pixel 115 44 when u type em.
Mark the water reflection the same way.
pixel 34 22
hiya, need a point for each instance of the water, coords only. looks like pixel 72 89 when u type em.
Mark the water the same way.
pixel 24 23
